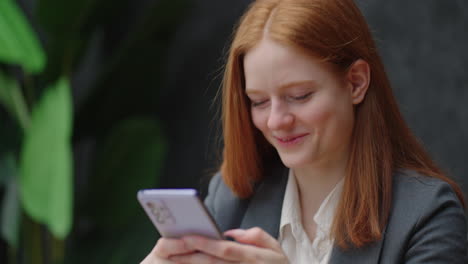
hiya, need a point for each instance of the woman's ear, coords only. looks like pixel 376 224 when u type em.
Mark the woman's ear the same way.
pixel 358 77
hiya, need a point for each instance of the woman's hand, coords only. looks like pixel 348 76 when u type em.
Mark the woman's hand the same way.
pixel 165 248
pixel 256 246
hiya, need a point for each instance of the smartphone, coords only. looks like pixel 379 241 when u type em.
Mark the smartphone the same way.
pixel 178 212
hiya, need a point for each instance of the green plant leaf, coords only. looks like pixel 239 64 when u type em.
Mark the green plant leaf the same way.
pixel 12 99
pixel 18 43
pixel 11 210
pixel 46 161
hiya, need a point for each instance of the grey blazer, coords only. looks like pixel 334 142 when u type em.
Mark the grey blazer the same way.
pixel 427 223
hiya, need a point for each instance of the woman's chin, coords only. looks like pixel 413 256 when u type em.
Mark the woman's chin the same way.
pixel 294 162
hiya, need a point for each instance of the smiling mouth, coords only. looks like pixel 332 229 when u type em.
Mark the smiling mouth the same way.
pixel 292 139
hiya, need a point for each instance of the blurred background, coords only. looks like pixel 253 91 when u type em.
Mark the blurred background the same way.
pixel 101 98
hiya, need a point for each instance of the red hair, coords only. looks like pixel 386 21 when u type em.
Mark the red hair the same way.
pixel 335 31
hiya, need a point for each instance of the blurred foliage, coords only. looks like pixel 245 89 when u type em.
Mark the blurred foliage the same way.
pixel 45 180
pixel 47 115
pixel 119 233
pixel 18 44
pixel 12 99
pixel 10 207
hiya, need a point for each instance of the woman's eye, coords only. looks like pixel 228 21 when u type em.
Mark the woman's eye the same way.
pixel 258 103
pixel 302 97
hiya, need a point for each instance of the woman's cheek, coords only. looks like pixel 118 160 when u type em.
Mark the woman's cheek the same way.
pixel 260 120
pixel 335 123
pixel 319 115
pixel 326 120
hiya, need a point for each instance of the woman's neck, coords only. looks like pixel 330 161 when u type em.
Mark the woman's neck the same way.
pixel 314 183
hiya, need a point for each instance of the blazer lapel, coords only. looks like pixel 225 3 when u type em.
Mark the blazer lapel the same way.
pixel 265 206
pixel 264 211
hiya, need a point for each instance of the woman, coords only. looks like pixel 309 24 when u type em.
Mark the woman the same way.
pixel 319 165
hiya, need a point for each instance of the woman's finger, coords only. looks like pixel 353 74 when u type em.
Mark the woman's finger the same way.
pixel 166 247
pixel 223 249
pixel 255 236
pixel 199 258
pixel 151 259
pixel 229 250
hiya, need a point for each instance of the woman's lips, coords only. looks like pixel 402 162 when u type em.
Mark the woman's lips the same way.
pixel 290 140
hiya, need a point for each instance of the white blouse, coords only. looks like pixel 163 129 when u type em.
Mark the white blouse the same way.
pixel 292 236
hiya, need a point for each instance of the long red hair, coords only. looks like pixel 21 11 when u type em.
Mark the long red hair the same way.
pixel 335 31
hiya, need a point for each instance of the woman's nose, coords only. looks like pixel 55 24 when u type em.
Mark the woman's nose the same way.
pixel 280 118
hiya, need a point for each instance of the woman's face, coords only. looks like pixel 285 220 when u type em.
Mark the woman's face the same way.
pixel 302 107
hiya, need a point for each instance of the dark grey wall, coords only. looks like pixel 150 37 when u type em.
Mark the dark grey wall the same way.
pixel 195 61
pixel 422 44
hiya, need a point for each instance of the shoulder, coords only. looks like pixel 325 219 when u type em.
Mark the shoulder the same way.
pixel 226 208
pixel 218 193
pixel 417 197
pixel 417 192
pixel 427 222
pixel 221 197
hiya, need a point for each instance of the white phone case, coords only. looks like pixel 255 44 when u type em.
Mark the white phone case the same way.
pixel 178 212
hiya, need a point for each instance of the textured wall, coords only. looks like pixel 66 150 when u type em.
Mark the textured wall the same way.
pixel 422 45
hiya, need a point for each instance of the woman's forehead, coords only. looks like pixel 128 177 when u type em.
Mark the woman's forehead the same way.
pixel 273 64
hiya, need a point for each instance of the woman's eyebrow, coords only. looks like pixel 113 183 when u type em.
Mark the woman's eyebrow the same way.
pixel 253 91
pixel 298 83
